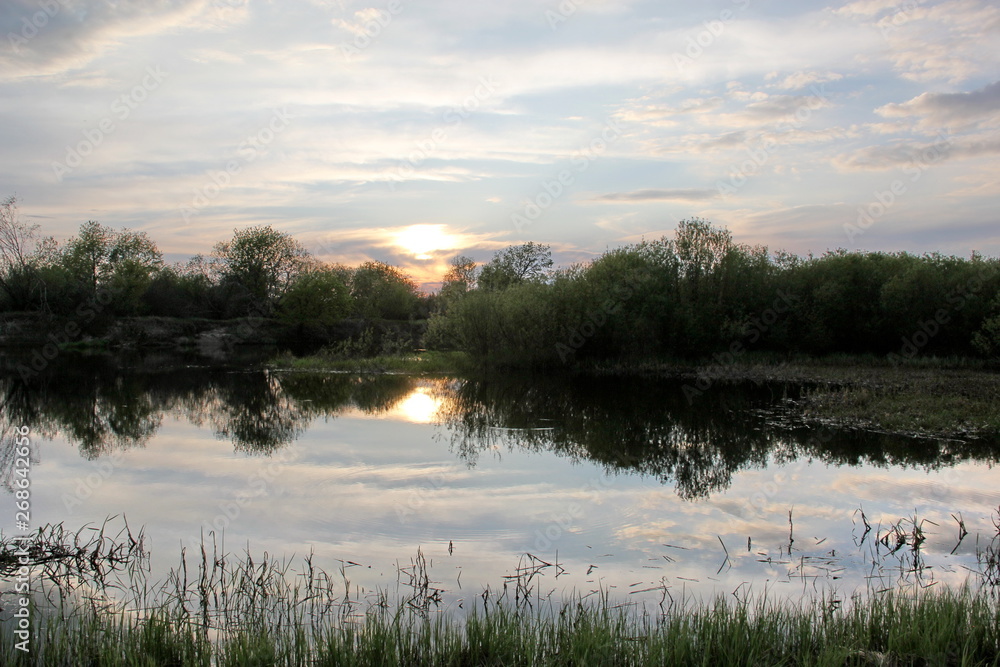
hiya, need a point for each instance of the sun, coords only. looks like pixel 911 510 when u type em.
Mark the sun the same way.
pixel 419 407
pixel 422 240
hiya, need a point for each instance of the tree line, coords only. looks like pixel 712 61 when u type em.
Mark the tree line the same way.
pixel 259 272
pixel 697 295
pixel 702 295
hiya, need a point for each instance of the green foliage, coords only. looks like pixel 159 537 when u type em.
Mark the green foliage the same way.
pixel 122 262
pixel 262 261
pixel 701 294
pixel 99 265
pixel 528 262
pixel 698 295
pixel 460 278
pixel 20 252
pixel 987 339
pixel 380 291
pixel 319 296
pixel 937 627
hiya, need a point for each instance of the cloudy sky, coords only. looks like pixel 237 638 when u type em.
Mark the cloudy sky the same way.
pixel 412 131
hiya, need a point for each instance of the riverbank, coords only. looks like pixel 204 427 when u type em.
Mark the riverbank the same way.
pixel 233 610
pixel 943 628
pixel 938 398
pixel 44 333
pixel 424 362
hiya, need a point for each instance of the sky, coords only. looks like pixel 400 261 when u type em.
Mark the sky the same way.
pixel 411 132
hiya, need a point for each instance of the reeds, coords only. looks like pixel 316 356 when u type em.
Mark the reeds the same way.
pixel 220 609
pixel 940 628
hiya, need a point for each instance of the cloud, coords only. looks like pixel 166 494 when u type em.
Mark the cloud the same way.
pixel 799 80
pixel 664 194
pixel 917 154
pixel 388 116
pixel 940 109
pixel 69 34
pixel 867 8
pixel 942 41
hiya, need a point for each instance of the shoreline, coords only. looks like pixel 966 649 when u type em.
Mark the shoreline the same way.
pixel 932 398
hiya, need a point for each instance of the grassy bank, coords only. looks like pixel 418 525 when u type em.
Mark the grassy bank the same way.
pixel 217 608
pixel 925 396
pixel 941 628
pixel 424 362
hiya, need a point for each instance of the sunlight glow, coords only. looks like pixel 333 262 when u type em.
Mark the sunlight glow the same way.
pixel 419 407
pixel 421 240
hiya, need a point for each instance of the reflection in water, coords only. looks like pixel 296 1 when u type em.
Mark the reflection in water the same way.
pixel 627 426
pixel 650 427
pixel 420 407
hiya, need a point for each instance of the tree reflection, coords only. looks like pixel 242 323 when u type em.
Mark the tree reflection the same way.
pixel 628 426
pixel 98 413
pixel 646 427
pixel 103 404
pixel 649 427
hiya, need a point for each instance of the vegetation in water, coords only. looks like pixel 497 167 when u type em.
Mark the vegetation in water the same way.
pixel 220 609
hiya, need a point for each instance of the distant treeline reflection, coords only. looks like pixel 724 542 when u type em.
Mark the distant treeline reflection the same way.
pixel 645 427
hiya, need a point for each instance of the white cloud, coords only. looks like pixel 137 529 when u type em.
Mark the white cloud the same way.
pixel 800 80
pixel 358 121
pixel 76 32
pixel 936 110
pixel 660 194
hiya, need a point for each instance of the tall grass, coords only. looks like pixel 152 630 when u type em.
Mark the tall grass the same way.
pixel 216 609
pixel 940 628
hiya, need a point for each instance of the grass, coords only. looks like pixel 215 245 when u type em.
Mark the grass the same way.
pixel 424 362
pixel 923 401
pixel 235 611
pixel 940 628
pixel 923 396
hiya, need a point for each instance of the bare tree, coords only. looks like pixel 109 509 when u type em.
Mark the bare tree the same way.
pixel 18 247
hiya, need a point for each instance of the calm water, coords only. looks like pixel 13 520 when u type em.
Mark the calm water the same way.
pixel 625 484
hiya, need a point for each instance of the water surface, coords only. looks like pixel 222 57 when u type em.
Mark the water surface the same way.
pixel 625 486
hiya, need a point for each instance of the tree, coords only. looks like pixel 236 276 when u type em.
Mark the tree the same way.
pixel 460 278
pixel 528 262
pixel 380 291
pixel 19 253
pixel 261 260
pixel 86 255
pixel 319 296
pixel 701 247
pixel 123 262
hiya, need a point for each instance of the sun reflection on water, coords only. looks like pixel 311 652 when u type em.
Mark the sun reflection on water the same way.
pixel 419 407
